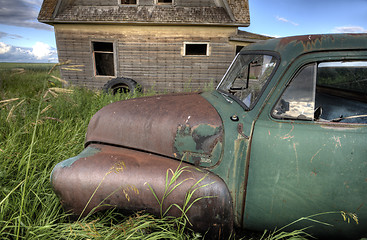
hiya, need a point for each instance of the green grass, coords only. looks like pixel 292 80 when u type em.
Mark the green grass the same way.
pixel 39 127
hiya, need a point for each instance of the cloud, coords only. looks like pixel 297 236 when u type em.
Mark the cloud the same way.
pixel 349 29
pixel 281 19
pixel 3 34
pixel 12 36
pixel 21 13
pixel 4 48
pixel 40 52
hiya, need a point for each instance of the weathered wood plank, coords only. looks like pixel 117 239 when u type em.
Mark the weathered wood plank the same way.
pixel 152 58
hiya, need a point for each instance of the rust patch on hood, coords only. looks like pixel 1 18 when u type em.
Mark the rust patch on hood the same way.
pixel 155 124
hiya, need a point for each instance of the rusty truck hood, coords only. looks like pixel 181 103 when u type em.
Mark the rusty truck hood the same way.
pixel 183 126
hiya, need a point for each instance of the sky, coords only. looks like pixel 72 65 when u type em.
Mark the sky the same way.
pixel 281 18
pixel 24 39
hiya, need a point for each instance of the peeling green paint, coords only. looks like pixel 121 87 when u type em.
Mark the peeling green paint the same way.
pixel 89 151
pixel 232 166
pixel 200 145
pixel 206 130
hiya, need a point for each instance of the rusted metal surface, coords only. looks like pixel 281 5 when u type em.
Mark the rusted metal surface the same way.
pixel 290 48
pixel 240 131
pixel 302 39
pixel 171 125
pixel 105 176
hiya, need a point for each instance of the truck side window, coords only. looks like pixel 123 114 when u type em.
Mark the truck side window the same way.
pixel 298 102
pixel 341 91
pixel 326 92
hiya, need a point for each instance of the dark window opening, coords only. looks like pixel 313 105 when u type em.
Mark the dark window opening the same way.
pixel 103 59
pixel 103 46
pixel 238 49
pixel 128 2
pixel 164 1
pixel 196 49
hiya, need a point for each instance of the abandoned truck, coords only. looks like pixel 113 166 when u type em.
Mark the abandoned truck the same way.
pixel 282 137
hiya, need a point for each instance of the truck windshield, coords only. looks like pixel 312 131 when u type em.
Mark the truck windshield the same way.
pixel 247 76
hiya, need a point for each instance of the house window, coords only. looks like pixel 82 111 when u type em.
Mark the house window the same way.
pixel 196 49
pixel 238 49
pixel 103 54
pixel 128 2
pixel 164 2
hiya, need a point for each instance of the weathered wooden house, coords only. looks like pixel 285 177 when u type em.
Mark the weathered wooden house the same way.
pixel 165 44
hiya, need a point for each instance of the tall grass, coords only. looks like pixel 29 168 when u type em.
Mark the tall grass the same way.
pixel 172 182
pixel 41 125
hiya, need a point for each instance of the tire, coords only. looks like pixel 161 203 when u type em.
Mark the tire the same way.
pixel 121 85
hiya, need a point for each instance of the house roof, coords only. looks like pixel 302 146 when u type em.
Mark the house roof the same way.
pixel 47 9
pixel 244 36
pixel 224 12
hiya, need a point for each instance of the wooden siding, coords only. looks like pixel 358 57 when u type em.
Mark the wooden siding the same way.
pixel 152 56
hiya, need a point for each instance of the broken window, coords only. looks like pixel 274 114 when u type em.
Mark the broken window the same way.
pixel 128 1
pixel 326 92
pixel 164 1
pixel 104 63
pixel 196 49
pixel 247 77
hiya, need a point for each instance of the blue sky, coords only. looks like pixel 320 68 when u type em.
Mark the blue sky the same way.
pixel 299 17
pixel 23 39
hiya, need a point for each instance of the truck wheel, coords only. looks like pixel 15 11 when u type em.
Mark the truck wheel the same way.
pixel 121 85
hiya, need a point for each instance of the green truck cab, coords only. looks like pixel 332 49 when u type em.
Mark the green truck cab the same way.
pixel 282 137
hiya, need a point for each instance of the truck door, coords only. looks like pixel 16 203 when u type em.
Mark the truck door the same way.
pixel 238 101
pixel 308 151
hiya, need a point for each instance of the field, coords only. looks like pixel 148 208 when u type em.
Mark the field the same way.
pixel 41 124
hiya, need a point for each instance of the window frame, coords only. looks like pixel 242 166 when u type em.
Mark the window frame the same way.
pixel 156 2
pixel 275 55
pixel 293 79
pixel 92 41
pixel 300 66
pixel 207 54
